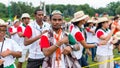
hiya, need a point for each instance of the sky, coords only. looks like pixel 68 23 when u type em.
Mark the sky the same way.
pixel 92 3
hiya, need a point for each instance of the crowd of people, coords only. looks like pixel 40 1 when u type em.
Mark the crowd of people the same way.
pixel 51 42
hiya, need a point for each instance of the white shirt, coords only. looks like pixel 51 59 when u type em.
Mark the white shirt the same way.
pixel 78 53
pixel 15 37
pixel 11 45
pixel 104 50
pixel 35 50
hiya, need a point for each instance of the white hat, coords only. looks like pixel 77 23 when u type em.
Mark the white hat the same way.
pixel 92 21
pixel 102 19
pixel 17 20
pixel 2 22
pixel 78 16
pixel 117 35
pixel 56 12
pixel 25 15
pixel 9 20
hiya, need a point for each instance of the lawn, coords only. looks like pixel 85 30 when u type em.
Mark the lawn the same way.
pixel 89 60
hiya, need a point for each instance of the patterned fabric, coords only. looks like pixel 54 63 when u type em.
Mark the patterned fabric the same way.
pixel 70 60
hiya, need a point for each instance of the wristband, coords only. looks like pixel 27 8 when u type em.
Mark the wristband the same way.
pixel 72 47
pixel 56 45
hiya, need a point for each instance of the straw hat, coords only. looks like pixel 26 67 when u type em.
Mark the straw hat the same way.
pixel 2 22
pixel 92 21
pixel 78 16
pixel 102 19
pixel 25 15
pixel 117 35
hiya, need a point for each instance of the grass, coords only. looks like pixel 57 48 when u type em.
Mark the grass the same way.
pixel 89 60
pixel 96 66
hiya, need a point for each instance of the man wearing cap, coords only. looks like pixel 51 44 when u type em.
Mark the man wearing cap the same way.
pixel 13 31
pixel 57 48
pixel 9 49
pixel 33 32
pixel 20 30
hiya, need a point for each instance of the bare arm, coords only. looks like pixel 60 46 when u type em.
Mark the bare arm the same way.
pixel 20 34
pixel 87 45
pixel 106 38
pixel 16 54
pixel 50 50
pixel 1 61
pixel 118 27
pixel 12 33
pixel 9 52
pixel 28 41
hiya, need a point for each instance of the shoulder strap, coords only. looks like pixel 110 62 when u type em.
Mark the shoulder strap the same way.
pixel 2 45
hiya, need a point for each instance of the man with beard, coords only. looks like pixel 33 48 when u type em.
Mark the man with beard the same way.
pixel 53 43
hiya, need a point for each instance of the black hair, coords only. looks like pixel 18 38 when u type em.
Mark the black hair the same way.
pixel 75 23
pixel 99 26
pixel 35 12
pixel 50 16
pixel 115 18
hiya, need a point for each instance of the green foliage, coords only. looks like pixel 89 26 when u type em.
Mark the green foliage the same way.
pixel 112 7
pixel 118 10
pixel 17 8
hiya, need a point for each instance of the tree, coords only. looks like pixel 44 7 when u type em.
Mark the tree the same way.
pixel 112 7
pixel 117 11
pixel 2 10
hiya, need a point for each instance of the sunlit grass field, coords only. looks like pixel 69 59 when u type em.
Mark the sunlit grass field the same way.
pixel 89 60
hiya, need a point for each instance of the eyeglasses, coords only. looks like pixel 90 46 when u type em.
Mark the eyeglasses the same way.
pixel 56 19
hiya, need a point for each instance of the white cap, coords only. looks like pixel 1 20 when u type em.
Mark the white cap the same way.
pixel 25 15
pixel 17 20
pixel 56 12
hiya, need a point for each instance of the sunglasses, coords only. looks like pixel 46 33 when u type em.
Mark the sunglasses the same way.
pixel 56 19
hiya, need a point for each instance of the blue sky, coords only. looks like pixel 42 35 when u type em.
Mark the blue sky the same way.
pixel 92 3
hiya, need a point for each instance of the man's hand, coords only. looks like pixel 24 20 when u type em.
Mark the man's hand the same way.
pixel 1 61
pixel 65 40
pixel 67 50
pixel 6 53
pixel 44 31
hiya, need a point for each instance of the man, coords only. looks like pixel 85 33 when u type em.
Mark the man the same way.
pixel 13 31
pixel 9 49
pixel 54 46
pixel 32 34
pixel 20 30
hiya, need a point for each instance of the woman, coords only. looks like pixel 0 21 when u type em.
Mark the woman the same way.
pixel 9 49
pixel 90 33
pixel 104 52
pixel 78 33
